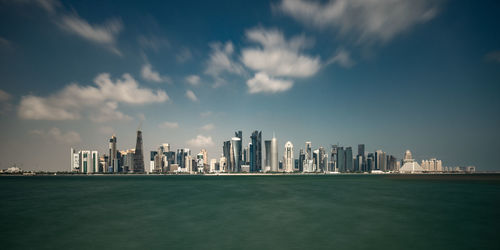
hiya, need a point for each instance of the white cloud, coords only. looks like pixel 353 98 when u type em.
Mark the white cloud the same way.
pixel 208 127
pixel 190 94
pixel 193 80
pixel 277 56
pixel 201 141
pixel 343 58
pixel 169 125
pixel 369 21
pixel 104 34
pixel 262 83
pixel 149 74
pixel 221 62
pixel 100 101
pixel 56 135
pixel 4 96
pixel 493 56
pixel 106 130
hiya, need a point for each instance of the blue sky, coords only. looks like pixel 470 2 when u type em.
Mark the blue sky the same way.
pixel 394 75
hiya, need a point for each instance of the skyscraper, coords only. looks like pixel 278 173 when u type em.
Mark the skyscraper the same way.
pixel 349 159
pixel 256 151
pixel 274 154
pixel 236 153
pixel 113 162
pixel 267 165
pixel 361 166
pixel 288 161
pixel 308 150
pixel 341 166
pixel 139 156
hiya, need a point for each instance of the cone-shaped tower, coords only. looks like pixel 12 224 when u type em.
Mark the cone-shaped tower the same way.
pixel 139 156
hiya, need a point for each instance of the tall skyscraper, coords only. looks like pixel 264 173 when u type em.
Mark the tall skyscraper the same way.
pixel 288 161
pixel 113 161
pixel 321 162
pixel 274 154
pixel 236 153
pixel 349 159
pixel 267 165
pixel 139 155
pixel 302 158
pixel 333 161
pixel 361 158
pixel 341 166
pixel 256 151
pixel 308 150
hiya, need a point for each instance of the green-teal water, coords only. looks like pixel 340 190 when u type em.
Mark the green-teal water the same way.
pixel 250 212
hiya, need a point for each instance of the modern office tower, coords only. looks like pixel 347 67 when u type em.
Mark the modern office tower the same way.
pixel 309 150
pixel 333 161
pixel 181 158
pixel 326 162
pixel 391 163
pixel 358 164
pixel 213 163
pixel 302 158
pixel 205 156
pixel 274 154
pixel 226 153
pixel 256 151
pixel 379 160
pixel 89 161
pixel 267 145
pixel 246 154
pixel 139 155
pixel 280 166
pixel 288 161
pixel 223 164
pixel 189 163
pixel 341 166
pixel 113 162
pixel 348 159
pixel 75 161
pixel 152 165
pixel 321 162
pixel 236 154
pixel 199 162
pixel 315 158
pixel 362 161
pixel 128 161
pixel 170 157
pixel 239 157
pixel 370 162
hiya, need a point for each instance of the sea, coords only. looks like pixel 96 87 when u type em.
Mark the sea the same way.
pixel 250 212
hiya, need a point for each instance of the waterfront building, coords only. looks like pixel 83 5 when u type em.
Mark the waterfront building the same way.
pixel 139 156
pixel 113 161
pixel 256 151
pixel 75 161
pixel 349 160
pixel 213 163
pixel 236 154
pixel 410 166
pixel 267 145
pixel 223 164
pixel 309 150
pixel 274 154
pixel 333 159
pixel 341 166
pixel 302 158
pixel 288 161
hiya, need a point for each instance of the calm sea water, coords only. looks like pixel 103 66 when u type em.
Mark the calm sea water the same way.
pixel 250 212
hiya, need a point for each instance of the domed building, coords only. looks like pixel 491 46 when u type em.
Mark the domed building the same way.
pixel 410 166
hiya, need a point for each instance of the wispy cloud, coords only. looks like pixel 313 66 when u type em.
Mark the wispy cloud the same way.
pixel 201 141
pixel 193 80
pixel 100 101
pixel 368 21
pixel 184 55
pixel 342 58
pixel 5 104
pixel 153 42
pixel 191 96
pixel 262 83
pixel 221 62
pixel 56 135
pixel 169 125
pixel 208 127
pixel 149 74
pixel 104 34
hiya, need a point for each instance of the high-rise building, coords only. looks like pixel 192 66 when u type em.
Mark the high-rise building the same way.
pixel 333 161
pixel 308 150
pixel 288 161
pixel 213 163
pixel 226 153
pixel 256 151
pixel 267 165
pixel 274 154
pixel 223 164
pixel 205 156
pixel 302 158
pixel 380 160
pixel 341 166
pixel 361 160
pixel 113 161
pixel 181 158
pixel 139 155
pixel 370 162
pixel 75 161
pixel 321 161
pixel 236 154
pixel 348 159
pixel 238 158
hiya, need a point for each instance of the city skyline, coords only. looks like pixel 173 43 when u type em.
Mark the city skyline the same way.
pixel 424 79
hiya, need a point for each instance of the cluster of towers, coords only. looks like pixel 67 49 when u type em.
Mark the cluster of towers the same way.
pixel 115 161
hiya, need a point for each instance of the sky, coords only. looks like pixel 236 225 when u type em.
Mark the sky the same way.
pixel 390 74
